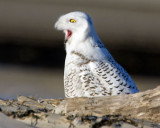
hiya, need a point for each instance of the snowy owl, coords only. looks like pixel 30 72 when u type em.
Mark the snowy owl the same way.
pixel 90 70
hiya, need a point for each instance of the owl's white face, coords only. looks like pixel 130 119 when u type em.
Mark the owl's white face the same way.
pixel 74 24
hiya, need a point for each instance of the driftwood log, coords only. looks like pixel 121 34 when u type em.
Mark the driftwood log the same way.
pixel 134 110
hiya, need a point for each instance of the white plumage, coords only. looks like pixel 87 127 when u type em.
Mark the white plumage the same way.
pixel 90 70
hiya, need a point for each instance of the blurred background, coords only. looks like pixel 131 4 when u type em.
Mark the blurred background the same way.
pixel 32 52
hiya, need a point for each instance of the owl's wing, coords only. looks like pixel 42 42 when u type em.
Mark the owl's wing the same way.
pixel 97 79
pixel 102 78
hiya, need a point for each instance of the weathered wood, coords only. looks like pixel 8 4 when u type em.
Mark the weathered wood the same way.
pixel 143 105
pixel 134 110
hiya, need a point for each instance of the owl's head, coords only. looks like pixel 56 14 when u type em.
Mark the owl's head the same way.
pixel 75 24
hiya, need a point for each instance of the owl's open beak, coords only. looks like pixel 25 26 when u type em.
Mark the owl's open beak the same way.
pixel 68 34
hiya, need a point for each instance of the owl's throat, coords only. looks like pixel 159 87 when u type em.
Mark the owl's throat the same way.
pixel 68 34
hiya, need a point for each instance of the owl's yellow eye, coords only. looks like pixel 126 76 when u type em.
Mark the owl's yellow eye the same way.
pixel 72 20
